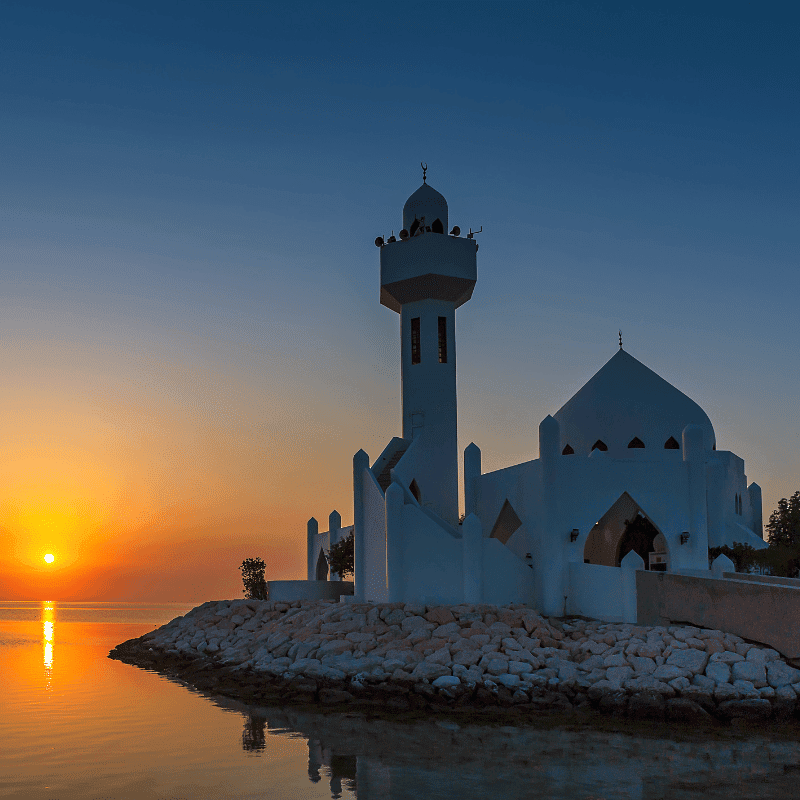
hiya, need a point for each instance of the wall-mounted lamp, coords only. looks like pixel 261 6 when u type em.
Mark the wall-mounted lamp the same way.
pixel 574 534
pixel 684 537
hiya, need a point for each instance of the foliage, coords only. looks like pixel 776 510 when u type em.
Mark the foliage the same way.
pixel 779 560
pixel 783 527
pixel 341 556
pixel 255 587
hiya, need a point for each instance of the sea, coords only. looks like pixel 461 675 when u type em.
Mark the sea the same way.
pixel 76 725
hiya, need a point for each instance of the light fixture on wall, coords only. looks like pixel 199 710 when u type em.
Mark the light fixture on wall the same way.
pixel 684 537
pixel 574 534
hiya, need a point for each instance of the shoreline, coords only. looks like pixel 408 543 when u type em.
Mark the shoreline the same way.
pixel 480 662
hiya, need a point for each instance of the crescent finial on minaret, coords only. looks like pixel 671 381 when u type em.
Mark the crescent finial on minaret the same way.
pixel 424 170
pixel 620 340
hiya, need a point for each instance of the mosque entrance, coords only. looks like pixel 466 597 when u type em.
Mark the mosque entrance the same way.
pixel 625 527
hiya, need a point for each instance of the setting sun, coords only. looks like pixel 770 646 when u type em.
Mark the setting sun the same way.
pixel 49 558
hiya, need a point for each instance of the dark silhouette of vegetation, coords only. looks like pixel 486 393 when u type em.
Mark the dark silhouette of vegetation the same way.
pixel 782 557
pixel 783 527
pixel 341 556
pixel 255 587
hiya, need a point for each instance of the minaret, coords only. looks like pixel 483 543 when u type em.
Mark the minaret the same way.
pixel 425 277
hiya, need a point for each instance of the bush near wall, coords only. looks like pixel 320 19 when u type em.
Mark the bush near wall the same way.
pixel 780 560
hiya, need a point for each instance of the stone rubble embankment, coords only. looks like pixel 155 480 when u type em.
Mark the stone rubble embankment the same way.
pixel 464 657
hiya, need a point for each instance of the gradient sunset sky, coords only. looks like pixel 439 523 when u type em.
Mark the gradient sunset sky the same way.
pixel 192 342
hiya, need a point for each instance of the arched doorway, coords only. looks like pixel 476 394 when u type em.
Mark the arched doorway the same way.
pixel 624 527
pixel 322 567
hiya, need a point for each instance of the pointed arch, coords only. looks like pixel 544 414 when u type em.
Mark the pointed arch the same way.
pixel 414 488
pixel 414 226
pixel 322 567
pixel 600 445
pixel 635 444
pixel 567 451
pixel 672 444
pixel 624 527
pixel 436 226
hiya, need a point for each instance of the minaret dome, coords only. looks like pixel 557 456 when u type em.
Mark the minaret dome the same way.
pixel 425 202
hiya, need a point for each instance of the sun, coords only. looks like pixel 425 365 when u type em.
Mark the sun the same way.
pixel 49 558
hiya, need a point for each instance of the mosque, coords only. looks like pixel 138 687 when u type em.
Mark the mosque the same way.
pixel 628 473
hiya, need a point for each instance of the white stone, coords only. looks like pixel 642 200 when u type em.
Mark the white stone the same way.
pixel 507 680
pixel 780 673
pixel 752 671
pixel 692 660
pixel 725 658
pixel 642 665
pixel 668 672
pixel 445 681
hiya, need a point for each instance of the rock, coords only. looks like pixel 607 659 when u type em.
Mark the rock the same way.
pixel 763 655
pixel 445 681
pixel 725 657
pixel 767 692
pixel 615 703
pixel 713 646
pixel 647 683
pixel 703 697
pixel 642 665
pixel 646 705
pixel 393 616
pixel 441 656
pixel 440 615
pixel 752 671
pixel 718 671
pixel 334 647
pixel 692 660
pixel 755 710
pixel 567 670
pixel 519 667
pixel 704 682
pixel 616 675
pixel 746 690
pixel 467 657
pixel 413 623
pixel 507 680
pixel 668 672
pixel 334 696
pixel 649 650
pixel 616 660
pixel 724 692
pixel 592 662
pixel 425 669
pixel 785 693
pixel 599 689
pixel 682 709
pixel 591 646
pixel 679 684
pixel 781 674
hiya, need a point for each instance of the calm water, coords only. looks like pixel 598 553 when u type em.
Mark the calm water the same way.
pixel 74 724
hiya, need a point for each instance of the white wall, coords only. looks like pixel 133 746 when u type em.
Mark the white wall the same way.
pixel 595 591
pixel 506 578
pixel 432 560
pixel 375 589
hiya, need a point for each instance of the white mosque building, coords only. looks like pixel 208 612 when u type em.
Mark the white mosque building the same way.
pixel 551 532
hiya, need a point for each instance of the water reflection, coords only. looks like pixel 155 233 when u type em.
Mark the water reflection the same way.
pixel 376 759
pixel 48 638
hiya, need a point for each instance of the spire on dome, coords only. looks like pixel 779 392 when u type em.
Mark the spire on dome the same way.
pixel 424 170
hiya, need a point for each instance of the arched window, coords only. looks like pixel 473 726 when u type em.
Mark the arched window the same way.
pixel 567 451
pixel 635 443
pixel 322 567
pixel 415 490
pixel 600 445
pixel 437 227
pixel 414 225
pixel 672 444
pixel 736 503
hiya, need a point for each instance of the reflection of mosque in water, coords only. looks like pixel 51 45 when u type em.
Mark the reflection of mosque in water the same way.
pixel 378 760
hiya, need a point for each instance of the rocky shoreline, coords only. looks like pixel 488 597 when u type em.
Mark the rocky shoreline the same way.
pixel 488 660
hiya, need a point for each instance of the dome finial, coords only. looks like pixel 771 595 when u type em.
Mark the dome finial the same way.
pixel 424 170
pixel 620 340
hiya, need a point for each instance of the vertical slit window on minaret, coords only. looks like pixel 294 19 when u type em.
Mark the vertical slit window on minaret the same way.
pixel 442 340
pixel 415 354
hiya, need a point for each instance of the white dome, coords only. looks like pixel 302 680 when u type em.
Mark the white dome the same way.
pixel 625 401
pixel 425 202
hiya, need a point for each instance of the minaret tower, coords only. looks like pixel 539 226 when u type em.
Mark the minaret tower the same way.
pixel 425 277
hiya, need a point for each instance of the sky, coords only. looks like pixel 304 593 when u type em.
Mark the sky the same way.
pixel 191 342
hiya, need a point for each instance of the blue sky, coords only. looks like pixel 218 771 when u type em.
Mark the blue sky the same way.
pixel 191 192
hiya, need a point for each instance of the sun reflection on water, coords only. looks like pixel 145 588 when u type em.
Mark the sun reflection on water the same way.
pixel 48 637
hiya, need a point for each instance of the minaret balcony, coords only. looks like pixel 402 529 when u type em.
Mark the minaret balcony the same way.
pixel 430 266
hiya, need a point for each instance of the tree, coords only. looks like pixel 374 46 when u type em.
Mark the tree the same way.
pixel 255 587
pixel 783 527
pixel 341 556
